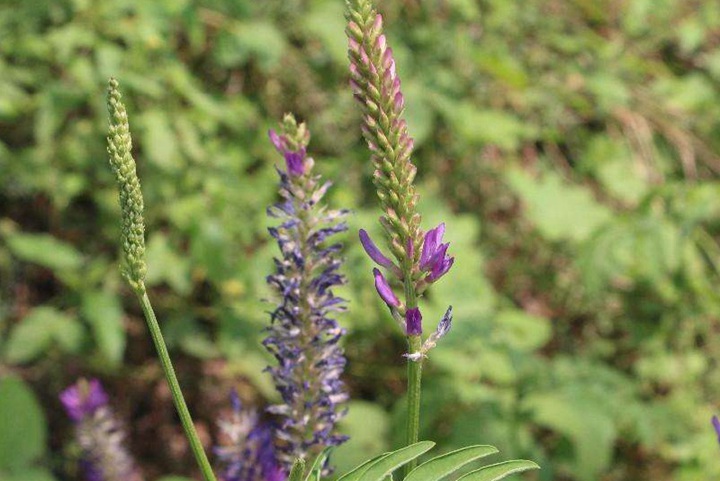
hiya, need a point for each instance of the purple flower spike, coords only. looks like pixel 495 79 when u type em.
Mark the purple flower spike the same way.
pixel 81 400
pixel 99 434
pixel 413 322
pixel 716 425
pixel 372 250
pixel 304 333
pixel 383 288
pixel 247 452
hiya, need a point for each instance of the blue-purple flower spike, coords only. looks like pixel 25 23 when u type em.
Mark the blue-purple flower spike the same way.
pixel 304 335
pixel 248 453
pixel 716 425
pixel 100 436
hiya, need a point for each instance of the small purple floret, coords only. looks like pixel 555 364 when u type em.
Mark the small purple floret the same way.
pixel 83 399
pixel 434 258
pixel 372 250
pixel 384 289
pixel 294 159
pixel 413 322
pixel 716 425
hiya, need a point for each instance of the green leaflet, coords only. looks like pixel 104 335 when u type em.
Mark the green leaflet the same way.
pixel 441 466
pixel 385 466
pixel 356 473
pixel 297 471
pixel 315 471
pixel 499 471
pixel 382 466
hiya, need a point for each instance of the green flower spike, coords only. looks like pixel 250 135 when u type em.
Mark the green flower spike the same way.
pixel 131 200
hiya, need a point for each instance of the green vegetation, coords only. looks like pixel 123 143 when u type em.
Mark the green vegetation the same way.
pixel 572 145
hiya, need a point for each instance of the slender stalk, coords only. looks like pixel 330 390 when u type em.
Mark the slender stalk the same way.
pixel 414 372
pixel 177 395
pixel 413 397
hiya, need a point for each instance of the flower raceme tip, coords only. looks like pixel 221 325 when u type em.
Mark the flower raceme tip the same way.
pixel 295 160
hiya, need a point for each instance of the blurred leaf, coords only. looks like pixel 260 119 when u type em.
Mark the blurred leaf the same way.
pixel 36 332
pixel 22 425
pixel 493 127
pixel 521 330
pixel 326 20
pixel 45 250
pixel 159 140
pixel 584 422
pixel 164 264
pixel 366 424
pixel 29 474
pixel 260 40
pixel 560 211
pixel 104 313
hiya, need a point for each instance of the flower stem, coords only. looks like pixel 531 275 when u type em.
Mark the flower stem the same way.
pixel 413 396
pixel 171 378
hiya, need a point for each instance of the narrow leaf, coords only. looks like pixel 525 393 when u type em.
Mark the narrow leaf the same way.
pixel 441 466
pixel 385 466
pixel 297 471
pixel 317 466
pixel 499 471
pixel 356 473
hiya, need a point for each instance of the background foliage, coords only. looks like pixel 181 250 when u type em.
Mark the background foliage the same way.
pixel 572 146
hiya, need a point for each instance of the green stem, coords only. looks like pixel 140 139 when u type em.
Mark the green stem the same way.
pixel 177 396
pixel 413 396
pixel 414 372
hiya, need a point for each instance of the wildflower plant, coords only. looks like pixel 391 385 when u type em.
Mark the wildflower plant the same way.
pixel 303 334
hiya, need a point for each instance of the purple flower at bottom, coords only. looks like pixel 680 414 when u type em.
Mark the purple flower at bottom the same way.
pixel 97 431
pixel 248 453
pixel 716 425
pixel 413 322
pixel 83 399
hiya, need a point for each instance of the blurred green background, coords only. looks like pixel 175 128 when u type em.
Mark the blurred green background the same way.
pixel 571 146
